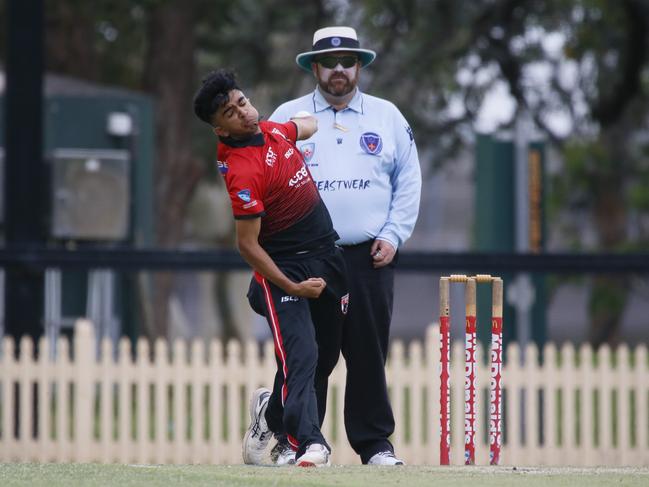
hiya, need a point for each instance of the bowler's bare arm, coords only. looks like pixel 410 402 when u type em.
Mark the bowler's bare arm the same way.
pixel 254 254
pixel 306 126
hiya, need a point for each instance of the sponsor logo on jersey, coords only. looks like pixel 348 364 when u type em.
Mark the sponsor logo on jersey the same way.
pixel 271 157
pixel 307 151
pixel 344 303
pixel 250 205
pixel 300 177
pixel 289 153
pixel 339 184
pixel 244 195
pixel 371 143
pixel 223 166
pixel 275 130
pixel 286 299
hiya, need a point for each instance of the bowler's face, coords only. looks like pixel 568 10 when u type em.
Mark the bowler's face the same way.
pixel 237 117
pixel 337 81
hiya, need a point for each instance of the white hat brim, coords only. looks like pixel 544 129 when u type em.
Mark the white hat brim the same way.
pixel 305 59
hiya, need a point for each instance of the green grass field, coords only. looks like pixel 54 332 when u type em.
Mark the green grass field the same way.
pixel 75 475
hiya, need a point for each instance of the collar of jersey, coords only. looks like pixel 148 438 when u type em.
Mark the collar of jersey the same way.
pixel 320 104
pixel 257 140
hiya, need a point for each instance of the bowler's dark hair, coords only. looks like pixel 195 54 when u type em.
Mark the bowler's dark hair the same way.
pixel 213 93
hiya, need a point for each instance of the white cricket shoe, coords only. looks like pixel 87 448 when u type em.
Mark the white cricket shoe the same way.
pixel 258 435
pixel 384 458
pixel 316 455
pixel 282 453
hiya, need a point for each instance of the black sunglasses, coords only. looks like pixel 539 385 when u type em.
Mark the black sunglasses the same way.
pixel 331 62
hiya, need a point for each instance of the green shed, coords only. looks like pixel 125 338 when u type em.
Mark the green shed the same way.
pixel 99 151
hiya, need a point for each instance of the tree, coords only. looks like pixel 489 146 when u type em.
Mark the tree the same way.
pixel 129 44
pixel 162 48
pixel 437 61
pixel 171 79
pixel 438 52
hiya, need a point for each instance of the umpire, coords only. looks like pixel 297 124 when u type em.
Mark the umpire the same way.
pixel 365 163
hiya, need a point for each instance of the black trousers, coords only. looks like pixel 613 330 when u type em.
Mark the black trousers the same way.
pixel 369 420
pixel 307 334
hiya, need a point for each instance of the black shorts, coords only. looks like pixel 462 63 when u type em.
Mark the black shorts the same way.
pixel 307 334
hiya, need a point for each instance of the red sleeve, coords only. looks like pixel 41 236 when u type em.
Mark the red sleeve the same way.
pixel 245 188
pixel 291 130
pixel 288 129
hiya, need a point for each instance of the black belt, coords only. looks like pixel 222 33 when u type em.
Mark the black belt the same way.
pixel 297 254
pixel 366 243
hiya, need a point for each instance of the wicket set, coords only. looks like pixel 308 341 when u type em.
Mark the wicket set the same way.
pixel 495 409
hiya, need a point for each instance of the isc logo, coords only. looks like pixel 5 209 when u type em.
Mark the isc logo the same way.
pixel 286 299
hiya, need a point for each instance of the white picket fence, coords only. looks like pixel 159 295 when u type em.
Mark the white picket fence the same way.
pixel 189 404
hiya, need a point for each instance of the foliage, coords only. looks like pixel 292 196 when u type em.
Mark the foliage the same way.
pixel 583 63
pixel 579 68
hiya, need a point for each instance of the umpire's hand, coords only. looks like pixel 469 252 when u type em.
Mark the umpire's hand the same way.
pixel 382 253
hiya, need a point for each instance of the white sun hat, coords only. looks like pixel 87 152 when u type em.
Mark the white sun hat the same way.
pixel 333 39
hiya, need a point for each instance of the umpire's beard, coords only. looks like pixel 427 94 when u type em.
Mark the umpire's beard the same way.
pixel 338 84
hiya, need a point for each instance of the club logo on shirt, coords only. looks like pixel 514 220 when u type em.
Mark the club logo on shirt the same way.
pixel 223 166
pixel 244 195
pixel 344 303
pixel 371 143
pixel 307 151
pixel 271 157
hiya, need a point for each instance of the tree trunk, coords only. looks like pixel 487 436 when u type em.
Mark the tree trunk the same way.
pixel 70 34
pixel 614 112
pixel 609 293
pixel 169 76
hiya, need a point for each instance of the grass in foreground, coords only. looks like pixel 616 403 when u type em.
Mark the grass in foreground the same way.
pixel 73 475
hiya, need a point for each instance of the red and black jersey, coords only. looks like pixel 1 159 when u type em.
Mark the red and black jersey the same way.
pixel 266 178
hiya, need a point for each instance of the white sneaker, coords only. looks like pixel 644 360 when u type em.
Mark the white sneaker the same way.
pixel 258 435
pixel 316 455
pixel 385 458
pixel 282 453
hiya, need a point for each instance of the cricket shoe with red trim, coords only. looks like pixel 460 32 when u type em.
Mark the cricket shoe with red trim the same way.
pixel 316 455
pixel 258 435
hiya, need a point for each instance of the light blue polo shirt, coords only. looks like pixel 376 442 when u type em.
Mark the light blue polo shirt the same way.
pixel 365 164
